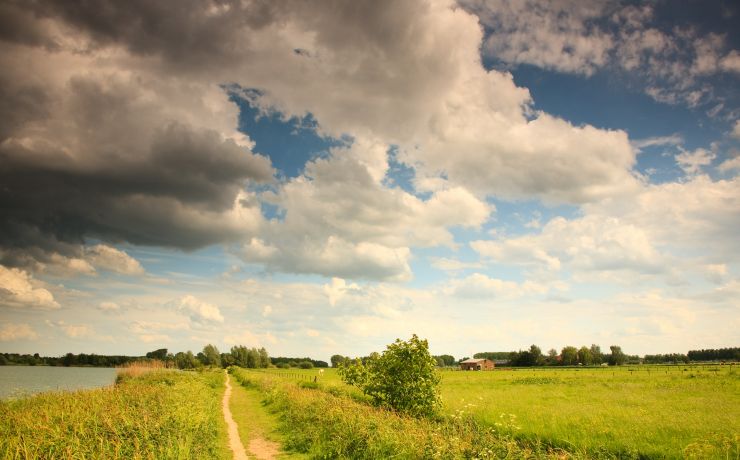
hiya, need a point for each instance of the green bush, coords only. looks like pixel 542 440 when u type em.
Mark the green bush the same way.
pixel 403 378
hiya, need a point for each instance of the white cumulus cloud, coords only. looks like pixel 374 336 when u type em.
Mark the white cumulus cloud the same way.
pixel 199 311
pixel 18 289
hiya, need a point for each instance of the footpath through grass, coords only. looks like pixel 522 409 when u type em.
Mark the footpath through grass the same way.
pixel 158 415
pixel 258 428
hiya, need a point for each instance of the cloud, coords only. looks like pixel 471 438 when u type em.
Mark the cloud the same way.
pixel 736 130
pixel 156 331
pixel 693 161
pixel 17 289
pixel 341 220
pixel 132 130
pixel 672 140
pixel 73 331
pixel 478 285
pixel 77 330
pixel 249 339
pixel 155 338
pixel 199 311
pixel 672 231
pixel 337 289
pixel 110 258
pixel 557 35
pixel 10 332
pixel 731 164
pixel 452 265
pixel 673 65
pixel 716 273
pixel 99 144
pixel 109 306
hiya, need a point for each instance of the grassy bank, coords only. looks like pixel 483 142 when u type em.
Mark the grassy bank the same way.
pixel 158 415
pixel 625 412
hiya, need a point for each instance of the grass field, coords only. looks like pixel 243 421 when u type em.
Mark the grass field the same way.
pixel 626 412
pixel 631 412
pixel 316 421
pixel 158 415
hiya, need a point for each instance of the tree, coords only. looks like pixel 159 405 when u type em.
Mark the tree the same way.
pixel 69 359
pixel 584 356
pixel 569 356
pixel 227 359
pixel 492 355
pixel 445 360
pixel 186 360
pixel 160 354
pixel 211 356
pixel 336 360
pixel 402 378
pixel 253 358
pixel 552 356
pixel 617 358
pixel 596 355
pixel 535 356
pixel 264 358
pixel 239 352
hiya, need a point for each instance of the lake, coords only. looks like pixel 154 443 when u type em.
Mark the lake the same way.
pixel 18 381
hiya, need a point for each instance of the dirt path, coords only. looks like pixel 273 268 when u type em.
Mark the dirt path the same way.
pixel 259 447
pixel 235 443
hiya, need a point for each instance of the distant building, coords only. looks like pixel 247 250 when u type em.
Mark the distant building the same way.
pixel 477 365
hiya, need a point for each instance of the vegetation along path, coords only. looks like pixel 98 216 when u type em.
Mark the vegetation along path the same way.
pixel 235 443
pixel 253 425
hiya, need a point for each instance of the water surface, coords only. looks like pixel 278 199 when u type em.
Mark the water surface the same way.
pixel 19 381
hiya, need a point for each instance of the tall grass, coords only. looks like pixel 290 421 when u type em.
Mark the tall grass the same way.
pixel 156 415
pixel 139 368
pixel 326 425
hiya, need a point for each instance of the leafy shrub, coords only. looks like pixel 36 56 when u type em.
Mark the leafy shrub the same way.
pixel 403 378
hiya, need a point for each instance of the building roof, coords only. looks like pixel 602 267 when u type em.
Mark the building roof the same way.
pixel 472 361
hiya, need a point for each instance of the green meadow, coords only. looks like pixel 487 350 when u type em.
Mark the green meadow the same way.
pixel 649 411
pixel 640 412
pixel 158 414
pixel 622 412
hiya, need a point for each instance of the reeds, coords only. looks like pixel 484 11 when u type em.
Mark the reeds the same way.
pixel 141 367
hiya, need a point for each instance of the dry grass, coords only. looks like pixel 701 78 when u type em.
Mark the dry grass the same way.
pixel 139 368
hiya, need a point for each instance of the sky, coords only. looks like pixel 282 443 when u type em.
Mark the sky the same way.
pixel 323 178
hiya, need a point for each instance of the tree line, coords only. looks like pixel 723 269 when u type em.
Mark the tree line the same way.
pixel 718 354
pixel 568 356
pixel 70 359
pixel 210 356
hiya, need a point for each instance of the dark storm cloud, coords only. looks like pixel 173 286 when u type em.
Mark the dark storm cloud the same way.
pixel 188 34
pixel 92 148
